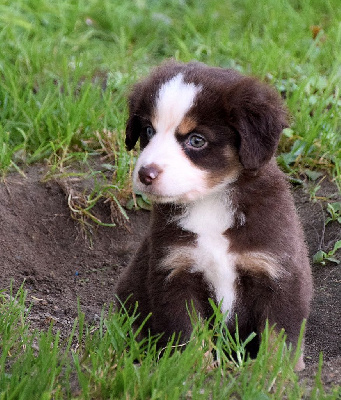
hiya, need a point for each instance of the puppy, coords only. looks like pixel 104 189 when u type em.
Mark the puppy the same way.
pixel 223 224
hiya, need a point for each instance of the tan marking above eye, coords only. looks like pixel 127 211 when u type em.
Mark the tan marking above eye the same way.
pixel 186 126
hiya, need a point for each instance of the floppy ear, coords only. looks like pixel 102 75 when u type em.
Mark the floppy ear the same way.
pixel 258 114
pixel 133 127
pixel 137 105
pixel 133 130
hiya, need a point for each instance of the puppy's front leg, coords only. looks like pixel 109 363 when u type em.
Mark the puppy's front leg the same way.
pixel 176 303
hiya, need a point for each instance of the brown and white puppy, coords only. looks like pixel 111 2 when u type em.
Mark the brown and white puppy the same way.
pixel 223 224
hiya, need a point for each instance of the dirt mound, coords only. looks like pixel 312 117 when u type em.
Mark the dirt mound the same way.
pixel 41 244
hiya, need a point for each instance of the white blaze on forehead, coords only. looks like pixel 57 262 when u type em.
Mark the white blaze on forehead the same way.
pixel 179 180
pixel 174 100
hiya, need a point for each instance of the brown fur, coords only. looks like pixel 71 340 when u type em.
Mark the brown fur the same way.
pixel 243 119
pixel 187 125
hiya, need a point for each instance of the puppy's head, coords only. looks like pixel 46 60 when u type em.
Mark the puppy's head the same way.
pixel 199 127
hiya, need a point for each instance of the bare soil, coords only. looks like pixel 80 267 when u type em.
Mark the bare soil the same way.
pixel 42 245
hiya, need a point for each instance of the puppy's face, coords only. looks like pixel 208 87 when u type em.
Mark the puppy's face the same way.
pixel 191 133
pixel 183 157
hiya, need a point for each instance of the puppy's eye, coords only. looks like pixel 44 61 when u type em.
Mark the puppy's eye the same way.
pixel 197 141
pixel 150 132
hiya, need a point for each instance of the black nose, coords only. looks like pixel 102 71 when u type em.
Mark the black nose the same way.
pixel 148 173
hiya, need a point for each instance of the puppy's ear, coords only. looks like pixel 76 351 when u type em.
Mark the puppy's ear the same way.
pixel 258 114
pixel 133 127
pixel 133 130
pixel 137 106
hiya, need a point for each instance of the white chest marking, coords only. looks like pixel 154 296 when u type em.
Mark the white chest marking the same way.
pixel 209 219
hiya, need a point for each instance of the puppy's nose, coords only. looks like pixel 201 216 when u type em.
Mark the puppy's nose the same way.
pixel 148 173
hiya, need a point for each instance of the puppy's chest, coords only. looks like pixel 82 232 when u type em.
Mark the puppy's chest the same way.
pixel 210 255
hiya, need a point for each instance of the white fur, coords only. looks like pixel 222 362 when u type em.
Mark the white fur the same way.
pixel 180 180
pixel 174 100
pixel 209 219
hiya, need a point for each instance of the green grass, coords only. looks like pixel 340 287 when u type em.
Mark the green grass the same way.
pixel 107 362
pixel 54 57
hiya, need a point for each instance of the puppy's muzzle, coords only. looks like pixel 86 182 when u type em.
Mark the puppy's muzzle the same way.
pixel 149 173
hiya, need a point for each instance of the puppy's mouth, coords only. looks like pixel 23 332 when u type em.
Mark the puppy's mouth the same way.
pixel 179 198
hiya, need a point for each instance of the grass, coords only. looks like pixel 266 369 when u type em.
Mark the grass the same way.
pixel 56 60
pixel 107 362
pixel 65 70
